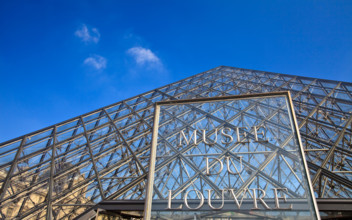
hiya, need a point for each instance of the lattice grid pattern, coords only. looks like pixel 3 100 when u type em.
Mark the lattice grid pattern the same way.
pixel 64 170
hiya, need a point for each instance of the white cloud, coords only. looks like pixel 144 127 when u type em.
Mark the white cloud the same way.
pixel 144 56
pixel 88 35
pixel 96 61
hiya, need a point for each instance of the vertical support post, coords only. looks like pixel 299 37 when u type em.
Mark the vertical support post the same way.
pixel 292 114
pixel 319 191
pixel 49 211
pixel 149 193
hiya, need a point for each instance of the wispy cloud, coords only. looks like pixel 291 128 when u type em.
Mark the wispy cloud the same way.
pixel 96 61
pixel 88 35
pixel 144 56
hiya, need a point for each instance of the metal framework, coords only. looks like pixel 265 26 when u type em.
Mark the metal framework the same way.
pixel 276 159
pixel 70 169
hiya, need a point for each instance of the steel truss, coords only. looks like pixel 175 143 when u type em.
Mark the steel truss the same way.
pixel 65 170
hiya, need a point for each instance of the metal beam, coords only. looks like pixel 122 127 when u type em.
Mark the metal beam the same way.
pixel 91 155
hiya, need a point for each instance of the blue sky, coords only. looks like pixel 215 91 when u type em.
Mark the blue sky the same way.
pixel 60 59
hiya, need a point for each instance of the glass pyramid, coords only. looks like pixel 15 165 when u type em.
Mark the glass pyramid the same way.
pixel 65 170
